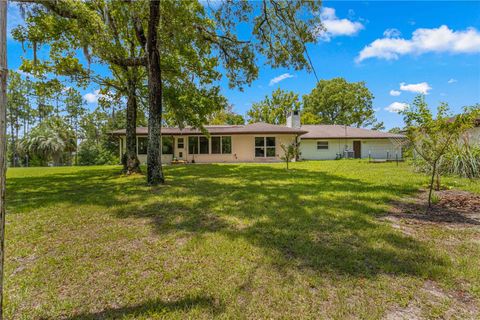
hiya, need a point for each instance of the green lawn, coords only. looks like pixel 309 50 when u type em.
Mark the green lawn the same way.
pixel 232 241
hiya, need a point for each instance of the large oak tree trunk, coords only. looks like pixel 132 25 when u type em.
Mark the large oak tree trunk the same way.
pixel 3 138
pixel 130 159
pixel 154 160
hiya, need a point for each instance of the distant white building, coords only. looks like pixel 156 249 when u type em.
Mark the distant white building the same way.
pixel 472 136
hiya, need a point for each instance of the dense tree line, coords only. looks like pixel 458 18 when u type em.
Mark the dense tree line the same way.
pixel 49 124
pixel 334 101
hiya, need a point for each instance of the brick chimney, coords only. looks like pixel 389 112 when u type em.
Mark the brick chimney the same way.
pixel 293 119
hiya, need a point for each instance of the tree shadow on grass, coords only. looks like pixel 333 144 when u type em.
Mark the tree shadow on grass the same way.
pixel 83 186
pixel 314 219
pixel 303 219
pixel 154 307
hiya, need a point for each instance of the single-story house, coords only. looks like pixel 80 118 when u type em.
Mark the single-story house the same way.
pixel 261 142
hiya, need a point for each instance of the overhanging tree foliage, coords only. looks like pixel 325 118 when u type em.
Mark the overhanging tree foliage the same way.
pixel 104 32
pixel 185 46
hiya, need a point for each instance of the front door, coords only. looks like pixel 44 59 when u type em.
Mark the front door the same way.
pixel 357 149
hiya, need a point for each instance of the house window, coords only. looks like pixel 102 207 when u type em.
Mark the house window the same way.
pixel 216 145
pixel 322 145
pixel 193 145
pixel 198 145
pixel 227 145
pixel 203 145
pixel 167 145
pixel 264 147
pixel 221 145
pixel 142 145
pixel 180 144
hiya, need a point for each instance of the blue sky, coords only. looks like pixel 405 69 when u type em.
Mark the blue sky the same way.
pixel 399 49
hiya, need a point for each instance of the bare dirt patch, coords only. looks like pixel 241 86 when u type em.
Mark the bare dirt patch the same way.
pixel 441 304
pixel 455 207
pixel 456 211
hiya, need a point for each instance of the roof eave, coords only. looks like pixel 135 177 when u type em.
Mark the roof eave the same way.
pixel 323 137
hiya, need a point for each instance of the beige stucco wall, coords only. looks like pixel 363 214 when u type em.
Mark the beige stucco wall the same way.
pixel 376 148
pixel 243 150
pixel 166 158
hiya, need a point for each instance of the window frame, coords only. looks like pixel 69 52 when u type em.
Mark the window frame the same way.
pixel 221 145
pixel 197 145
pixel 182 139
pixel 323 141
pixel 171 146
pixel 205 139
pixel 265 147
pixel 209 144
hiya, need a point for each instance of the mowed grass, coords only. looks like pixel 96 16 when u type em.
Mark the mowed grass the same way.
pixel 228 241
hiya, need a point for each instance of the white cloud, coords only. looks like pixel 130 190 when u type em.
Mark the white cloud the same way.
pixel 280 78
pixel 441 39
pixel 392 33
pixel 452 80
pixel 395 93
pixel 422 87
pixel 92 97
pixel 335 26
pixel 397 107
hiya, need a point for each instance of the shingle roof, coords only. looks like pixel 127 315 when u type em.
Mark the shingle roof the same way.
pixel 323 131
pixel 306 131
pixel 259 127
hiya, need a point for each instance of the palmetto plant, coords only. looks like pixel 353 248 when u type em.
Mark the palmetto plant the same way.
pixel 463 160
pixel 50 141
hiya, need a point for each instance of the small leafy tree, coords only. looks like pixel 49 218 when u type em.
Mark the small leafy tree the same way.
pixel 433 137
pixel 290 152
